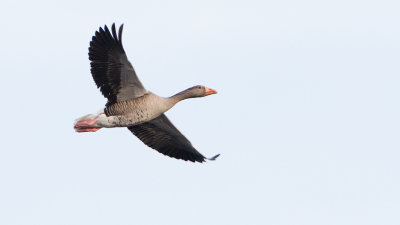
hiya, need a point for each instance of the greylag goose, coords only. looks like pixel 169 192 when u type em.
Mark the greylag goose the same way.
pixel 130 104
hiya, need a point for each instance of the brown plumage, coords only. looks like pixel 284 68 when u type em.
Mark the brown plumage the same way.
pixel 130 104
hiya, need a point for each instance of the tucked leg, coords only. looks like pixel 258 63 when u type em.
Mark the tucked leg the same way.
pixel 87 123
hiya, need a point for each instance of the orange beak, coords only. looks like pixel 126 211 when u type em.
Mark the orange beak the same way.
pixel 210 91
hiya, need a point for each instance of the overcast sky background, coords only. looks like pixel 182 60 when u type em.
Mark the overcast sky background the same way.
pixel 306 118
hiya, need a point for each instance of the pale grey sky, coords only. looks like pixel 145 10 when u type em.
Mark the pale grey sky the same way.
pixel 306 118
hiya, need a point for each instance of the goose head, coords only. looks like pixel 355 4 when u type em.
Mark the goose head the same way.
pixel 199 91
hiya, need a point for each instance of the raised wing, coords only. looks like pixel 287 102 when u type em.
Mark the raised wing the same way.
pixel 111 69
pixel 161 135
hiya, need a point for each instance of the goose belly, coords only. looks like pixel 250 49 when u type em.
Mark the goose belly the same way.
pixel 136 117
pixel 135 111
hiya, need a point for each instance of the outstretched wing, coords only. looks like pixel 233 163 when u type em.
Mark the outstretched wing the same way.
pixel 161 135
pixel 111 69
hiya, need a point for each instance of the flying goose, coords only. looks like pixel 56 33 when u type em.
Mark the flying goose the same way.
pixel 130 104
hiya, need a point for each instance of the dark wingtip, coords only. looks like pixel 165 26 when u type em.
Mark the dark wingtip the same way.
pixel 114 33
pixel 120 33
pixel 214 157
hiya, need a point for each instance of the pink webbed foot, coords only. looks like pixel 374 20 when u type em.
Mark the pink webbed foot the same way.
pixel 86 125
pixel 94 129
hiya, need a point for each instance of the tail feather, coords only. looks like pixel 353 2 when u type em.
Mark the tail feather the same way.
pixel 84 118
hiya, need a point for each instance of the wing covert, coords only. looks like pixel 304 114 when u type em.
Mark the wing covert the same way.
pixel 110 67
